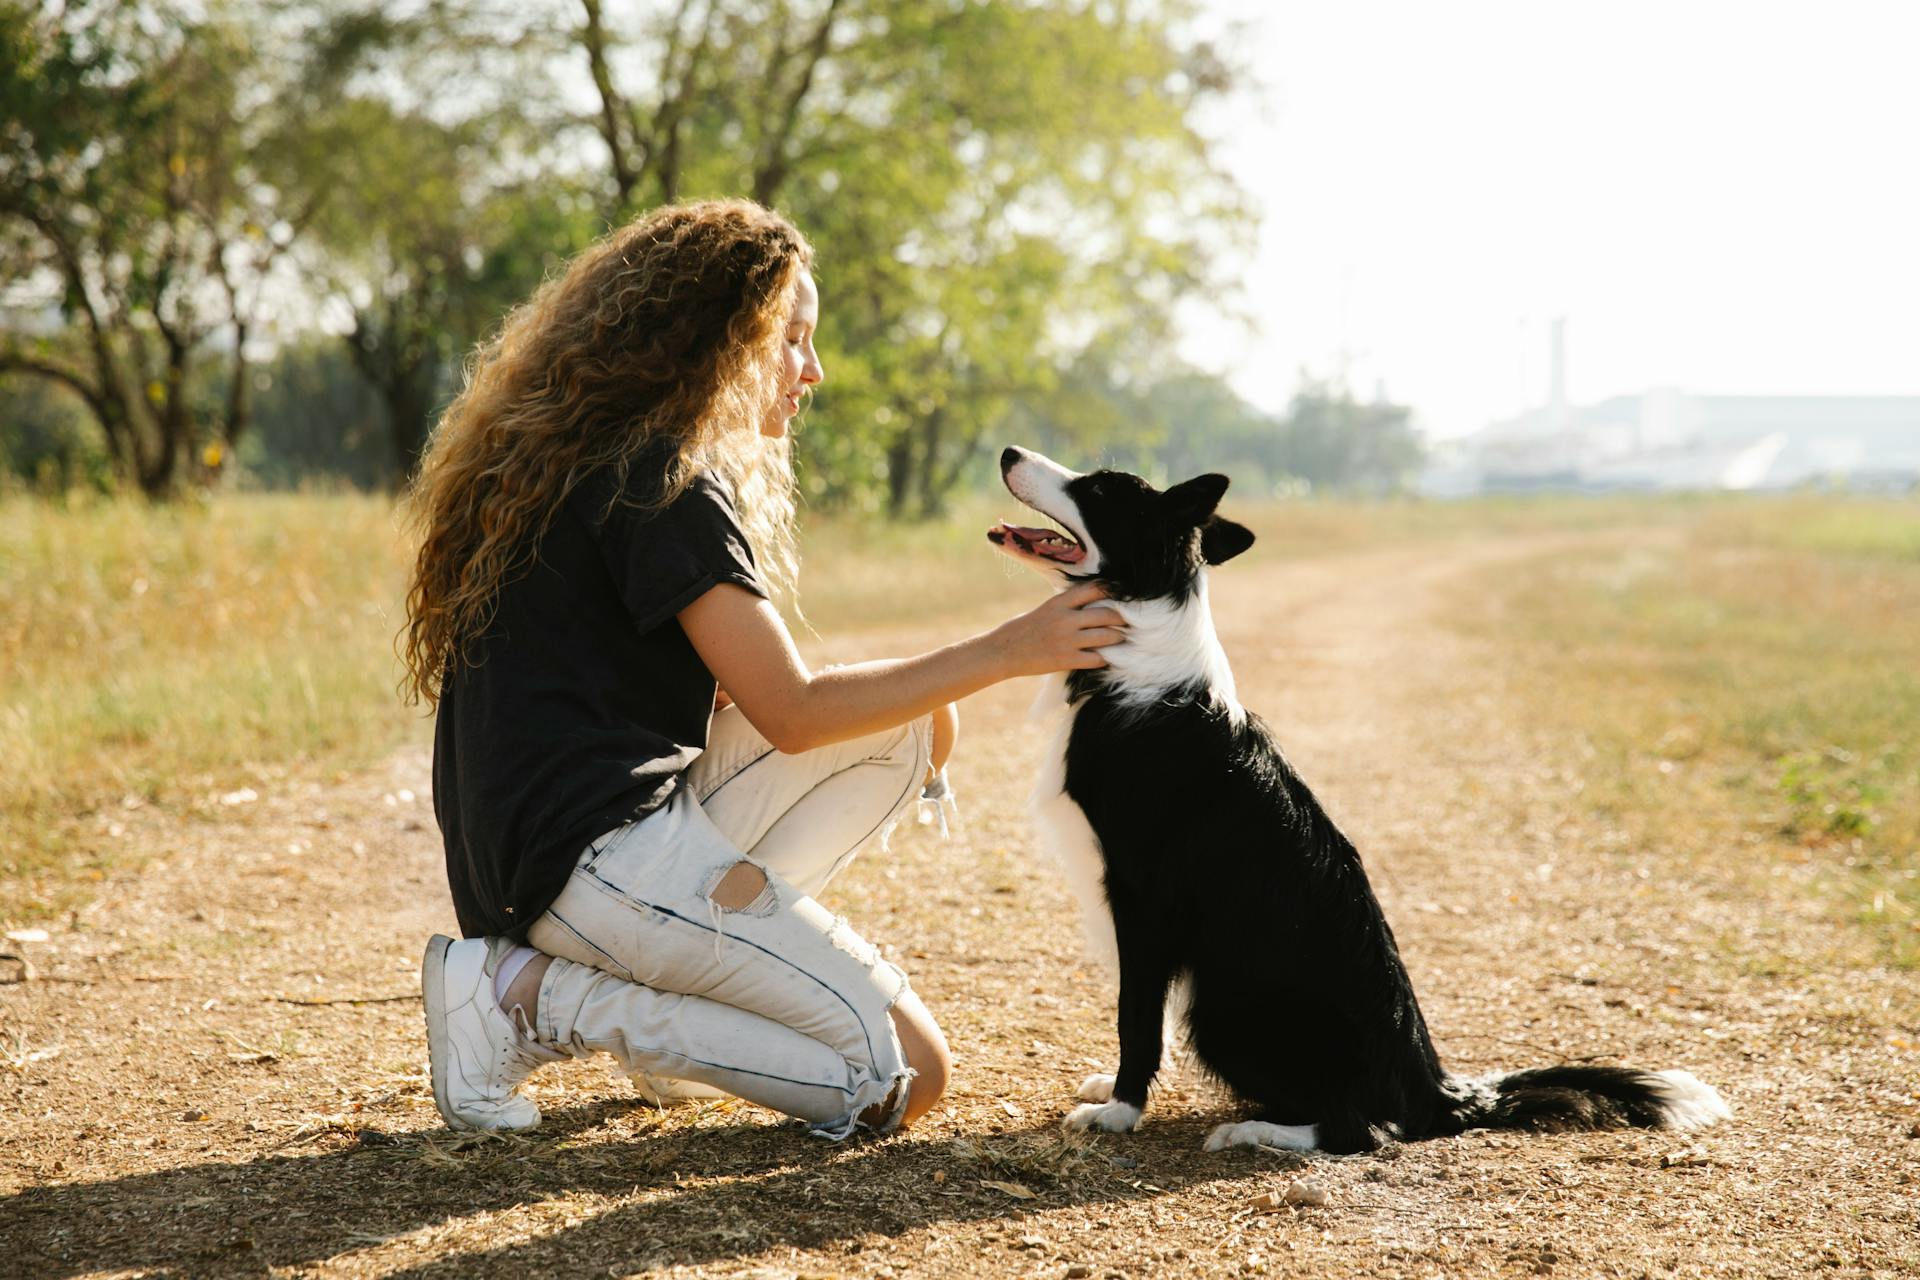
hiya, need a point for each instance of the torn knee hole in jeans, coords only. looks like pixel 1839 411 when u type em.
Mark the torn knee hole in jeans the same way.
pixel 743 887
pixel 843 937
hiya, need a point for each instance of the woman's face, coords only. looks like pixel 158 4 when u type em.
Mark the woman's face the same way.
pixel 799 362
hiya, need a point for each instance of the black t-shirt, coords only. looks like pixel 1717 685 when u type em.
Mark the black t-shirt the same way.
pixel 584 702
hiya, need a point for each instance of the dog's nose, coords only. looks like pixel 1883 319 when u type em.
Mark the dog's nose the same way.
pixel 1010 456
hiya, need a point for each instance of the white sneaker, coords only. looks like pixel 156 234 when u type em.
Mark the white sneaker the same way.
pixel 478 1056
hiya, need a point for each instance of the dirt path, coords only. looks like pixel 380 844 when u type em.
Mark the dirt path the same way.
pixel 181 1098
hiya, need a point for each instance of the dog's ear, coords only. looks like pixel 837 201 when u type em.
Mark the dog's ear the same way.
pixel 1221 540
pixel 1192 501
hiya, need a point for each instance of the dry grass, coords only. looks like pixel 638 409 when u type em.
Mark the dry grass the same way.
pixel 183 654
pixel 862 574
pixel 1871 528
pixel 198 1082
pixel 179 655
pixel 1029 1160
pixel 1747 681
pixel 176 654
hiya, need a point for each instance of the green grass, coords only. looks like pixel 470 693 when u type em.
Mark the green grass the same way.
pixel 1866 528
pixel 1747 682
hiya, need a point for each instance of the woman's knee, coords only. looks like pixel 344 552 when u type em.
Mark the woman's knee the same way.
pixel 925 1049
pixel 945 732
pixel 927 743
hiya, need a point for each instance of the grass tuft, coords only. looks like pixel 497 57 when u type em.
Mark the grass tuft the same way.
pixel 1045 1159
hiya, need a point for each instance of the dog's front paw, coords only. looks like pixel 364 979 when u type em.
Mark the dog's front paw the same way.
pixel 1107 1117
pixel 1097 1087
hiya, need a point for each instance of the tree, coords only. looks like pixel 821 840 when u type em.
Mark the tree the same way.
pixel 1334 441
pixel 435 224
pixel 1185 421
pixel 129 205
pixel 47 442
pixel 320 422
pixel 994 185
pixel 424 245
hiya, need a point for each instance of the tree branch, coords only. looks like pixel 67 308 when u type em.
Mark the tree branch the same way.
pixel 20 362
pixel 625 176
pixel 673 106
pixel 775 163
pixel 109 399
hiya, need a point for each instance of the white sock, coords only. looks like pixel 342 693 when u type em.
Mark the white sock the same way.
pixel 517 959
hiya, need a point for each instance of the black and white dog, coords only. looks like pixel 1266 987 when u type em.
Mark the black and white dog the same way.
pixel 1202 861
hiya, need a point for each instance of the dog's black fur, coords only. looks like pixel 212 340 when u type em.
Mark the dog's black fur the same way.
pixel 1222 868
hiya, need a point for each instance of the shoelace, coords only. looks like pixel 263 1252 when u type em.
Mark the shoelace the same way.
pixel 936 798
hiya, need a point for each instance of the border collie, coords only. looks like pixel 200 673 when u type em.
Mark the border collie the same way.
pixel 1201 860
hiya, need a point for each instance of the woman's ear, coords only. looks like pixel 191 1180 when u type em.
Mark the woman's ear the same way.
pixel 1222 540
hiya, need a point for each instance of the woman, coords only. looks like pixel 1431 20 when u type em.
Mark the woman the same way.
pixel 605 513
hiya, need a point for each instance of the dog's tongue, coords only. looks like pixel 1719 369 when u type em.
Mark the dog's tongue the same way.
pixel 1050 543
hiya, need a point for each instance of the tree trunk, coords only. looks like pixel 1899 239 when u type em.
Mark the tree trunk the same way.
pixel 614 123
pixel 239 390
pixel 899 473
pixel 409 400
pixel 944 479
pixel 925 491
pixel 172 423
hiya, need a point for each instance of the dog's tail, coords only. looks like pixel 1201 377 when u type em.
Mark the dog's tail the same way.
pixel 1557 1099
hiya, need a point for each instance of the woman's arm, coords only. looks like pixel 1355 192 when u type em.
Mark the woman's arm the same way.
pixel 750 652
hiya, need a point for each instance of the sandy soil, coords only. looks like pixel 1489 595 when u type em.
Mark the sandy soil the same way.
pixel 218 1067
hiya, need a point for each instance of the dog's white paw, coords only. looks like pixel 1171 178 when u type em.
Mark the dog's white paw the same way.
pixel 1097 1087
pixel 1107 1117
pixel 1258 1133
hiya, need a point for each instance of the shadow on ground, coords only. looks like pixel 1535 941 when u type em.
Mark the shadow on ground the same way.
pixel 692 1196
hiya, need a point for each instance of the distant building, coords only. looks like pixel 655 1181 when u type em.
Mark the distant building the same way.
pixel 1670 440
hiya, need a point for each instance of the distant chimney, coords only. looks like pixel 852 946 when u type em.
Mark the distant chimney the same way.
pixel 1557 415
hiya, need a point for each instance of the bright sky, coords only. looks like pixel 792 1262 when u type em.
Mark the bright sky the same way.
pixel 1723 197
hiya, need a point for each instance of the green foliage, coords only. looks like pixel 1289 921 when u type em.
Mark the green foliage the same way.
pixel 997 190
pixel 45 442
pixel 425 240
pixel 321 424
pixel 1332 440
pixel 1009 198
pixel 1831 792
pixel 131 206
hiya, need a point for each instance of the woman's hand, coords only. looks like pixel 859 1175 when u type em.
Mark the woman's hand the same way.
pixel 742 640
pixel 1062 634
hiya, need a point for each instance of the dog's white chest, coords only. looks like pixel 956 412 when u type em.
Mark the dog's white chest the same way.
pixel 1064 832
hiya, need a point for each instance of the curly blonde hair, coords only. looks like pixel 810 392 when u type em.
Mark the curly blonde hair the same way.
pixel 663 333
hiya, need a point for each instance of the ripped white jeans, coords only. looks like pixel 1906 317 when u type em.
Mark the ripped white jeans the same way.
pixel 788 1005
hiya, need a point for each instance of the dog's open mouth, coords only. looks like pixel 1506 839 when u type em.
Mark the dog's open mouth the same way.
pixel 1048 544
